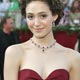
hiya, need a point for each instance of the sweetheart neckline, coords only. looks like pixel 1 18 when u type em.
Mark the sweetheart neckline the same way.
pixel 67 72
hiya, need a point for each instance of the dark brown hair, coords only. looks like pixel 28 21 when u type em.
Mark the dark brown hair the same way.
pixel 55 6
pixel 4 19
pixel 73 8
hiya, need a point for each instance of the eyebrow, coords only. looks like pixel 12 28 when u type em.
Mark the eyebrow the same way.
pixel 38 13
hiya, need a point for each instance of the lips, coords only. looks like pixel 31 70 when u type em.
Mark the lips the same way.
pixel 39 29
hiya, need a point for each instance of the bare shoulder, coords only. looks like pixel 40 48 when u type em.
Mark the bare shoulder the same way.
pixel 16 50
pixel 13 50
pixel 13 58
pixel 75 55
pixel 70 52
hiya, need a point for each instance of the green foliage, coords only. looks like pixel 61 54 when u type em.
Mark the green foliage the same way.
pixel 66 28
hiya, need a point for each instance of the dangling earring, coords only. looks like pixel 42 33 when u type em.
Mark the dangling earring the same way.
pixel 53 24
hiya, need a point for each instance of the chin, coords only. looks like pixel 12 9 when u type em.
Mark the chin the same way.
pixel 40 36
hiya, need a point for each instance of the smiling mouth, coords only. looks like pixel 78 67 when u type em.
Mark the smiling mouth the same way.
pixel 39 29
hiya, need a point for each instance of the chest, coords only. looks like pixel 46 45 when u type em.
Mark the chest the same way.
pixel 52 60
pixel 45 65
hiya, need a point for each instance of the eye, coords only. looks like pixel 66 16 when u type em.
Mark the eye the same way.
pixel 43 16
pixel 12 23
pixel 30 17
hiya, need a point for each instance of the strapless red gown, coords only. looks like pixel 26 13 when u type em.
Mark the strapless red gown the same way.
pixel 28 74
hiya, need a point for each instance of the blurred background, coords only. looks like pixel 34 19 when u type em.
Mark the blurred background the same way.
pixel 66 32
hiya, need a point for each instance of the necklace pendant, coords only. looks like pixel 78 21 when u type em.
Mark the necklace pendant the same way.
pixel 43 50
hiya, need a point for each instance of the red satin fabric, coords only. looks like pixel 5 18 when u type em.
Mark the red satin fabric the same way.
pixel 28 74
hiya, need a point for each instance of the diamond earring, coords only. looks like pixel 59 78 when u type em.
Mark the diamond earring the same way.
pixel 53 24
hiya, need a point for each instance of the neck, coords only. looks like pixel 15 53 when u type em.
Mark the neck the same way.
pixel 45 41
pixel 6 31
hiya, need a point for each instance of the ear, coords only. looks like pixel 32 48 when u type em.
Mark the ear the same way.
pixel 55 17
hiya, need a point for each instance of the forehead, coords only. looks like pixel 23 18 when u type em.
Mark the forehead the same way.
pixel 9 20
pixel 37 6
pixel 76 2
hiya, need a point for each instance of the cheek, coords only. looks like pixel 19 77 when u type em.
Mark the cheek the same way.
pixel 48 23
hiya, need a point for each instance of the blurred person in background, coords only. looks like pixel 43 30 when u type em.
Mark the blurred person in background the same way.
pixel 1 0
pixel 75 20
pixel 7 37
pixel 75 13
pixel 65 19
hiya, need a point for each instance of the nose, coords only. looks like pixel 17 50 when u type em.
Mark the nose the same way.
pixel 37 22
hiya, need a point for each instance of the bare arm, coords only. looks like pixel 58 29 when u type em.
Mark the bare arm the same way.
pixel 75 73
pixel 11 64
pixel 76 46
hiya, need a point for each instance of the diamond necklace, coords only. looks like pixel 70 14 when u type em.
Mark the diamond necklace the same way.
pixel 43 48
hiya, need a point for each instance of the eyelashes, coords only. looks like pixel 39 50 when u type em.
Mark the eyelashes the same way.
pixel 43 16
pixel 31 17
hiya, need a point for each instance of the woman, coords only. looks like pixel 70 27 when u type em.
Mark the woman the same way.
pixel 41 57
pixel 75 13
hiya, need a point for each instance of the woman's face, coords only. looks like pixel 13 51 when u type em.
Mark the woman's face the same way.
pixel 76 4
pixel 39 18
